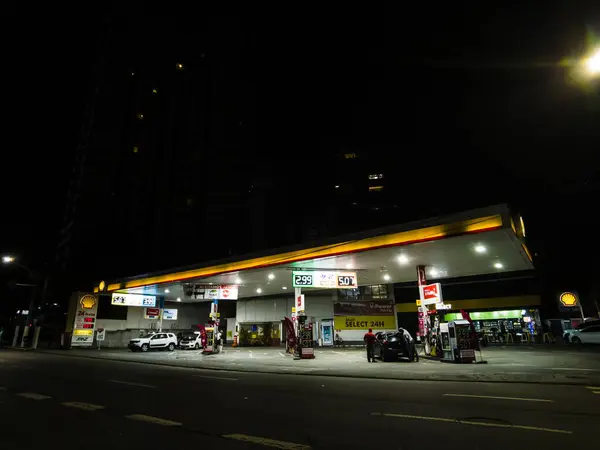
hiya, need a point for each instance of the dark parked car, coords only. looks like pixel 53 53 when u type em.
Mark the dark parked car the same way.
pixel 394 345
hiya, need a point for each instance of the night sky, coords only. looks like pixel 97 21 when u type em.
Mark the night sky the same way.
pixel 471 97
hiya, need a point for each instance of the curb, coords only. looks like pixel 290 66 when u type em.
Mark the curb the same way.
pixel 331 375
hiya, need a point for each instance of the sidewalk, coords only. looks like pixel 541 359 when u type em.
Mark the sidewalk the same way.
pixel 527 365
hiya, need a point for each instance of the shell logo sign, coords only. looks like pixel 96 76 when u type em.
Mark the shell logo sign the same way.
pixel 87 301
pixel 568 299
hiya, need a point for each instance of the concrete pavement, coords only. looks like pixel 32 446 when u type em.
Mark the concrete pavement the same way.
pixel 553 365
pixel 101 403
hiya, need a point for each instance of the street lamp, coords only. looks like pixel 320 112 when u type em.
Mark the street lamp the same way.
pixel 8 259
pixel 592 63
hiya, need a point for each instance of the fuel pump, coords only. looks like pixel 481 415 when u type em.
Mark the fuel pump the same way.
pixel 306 340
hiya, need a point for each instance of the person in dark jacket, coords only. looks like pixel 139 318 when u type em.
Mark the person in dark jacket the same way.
pixel 370 341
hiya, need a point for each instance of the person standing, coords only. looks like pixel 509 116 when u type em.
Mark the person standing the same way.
pixel 370 341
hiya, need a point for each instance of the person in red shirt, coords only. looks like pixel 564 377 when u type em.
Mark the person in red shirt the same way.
pixel 370 341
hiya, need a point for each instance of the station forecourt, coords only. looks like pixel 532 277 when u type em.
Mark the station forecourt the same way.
pixel 251 296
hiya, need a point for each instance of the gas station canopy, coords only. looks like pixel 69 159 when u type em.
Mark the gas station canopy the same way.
pixel 477 242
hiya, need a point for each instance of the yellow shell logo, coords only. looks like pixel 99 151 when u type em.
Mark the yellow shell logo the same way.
pixel 87 301
pixel 568 299
pixel 101 286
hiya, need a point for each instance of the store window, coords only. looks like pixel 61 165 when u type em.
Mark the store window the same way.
pixel 375 292
pixel 260 334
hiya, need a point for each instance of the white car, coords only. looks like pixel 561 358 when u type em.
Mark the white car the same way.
pixel 191 340
pixel 152 341
pixel 587 335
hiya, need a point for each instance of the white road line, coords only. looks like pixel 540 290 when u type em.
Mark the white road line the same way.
pixel 267 442
pixel 281 354
pixel 251 354
pixel 593 388
pixel 474 422
pixel 595 392
pixel 129 383
pixel 155 420
pixel 574 368
pixel 34 396
pixel 2 388
pixel 84 406
pixel 215 378
pixel 500 398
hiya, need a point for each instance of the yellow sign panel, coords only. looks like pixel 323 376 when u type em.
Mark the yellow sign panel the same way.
pixel 83 332
pixel 568 299
pixel 418 302
pixel 87 301
pixel 364 322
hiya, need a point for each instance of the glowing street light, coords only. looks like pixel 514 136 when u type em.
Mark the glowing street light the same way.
pixel 592 63
pixel 7 259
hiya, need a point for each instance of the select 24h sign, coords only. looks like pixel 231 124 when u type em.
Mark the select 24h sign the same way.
pixel 364 322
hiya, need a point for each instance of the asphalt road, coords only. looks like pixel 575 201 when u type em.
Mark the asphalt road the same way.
pixel 51 400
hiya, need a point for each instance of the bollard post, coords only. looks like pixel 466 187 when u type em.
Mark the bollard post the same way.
pixel 16 336
pixel 36 337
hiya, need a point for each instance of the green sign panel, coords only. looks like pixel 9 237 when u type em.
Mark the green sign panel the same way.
pixel 486 315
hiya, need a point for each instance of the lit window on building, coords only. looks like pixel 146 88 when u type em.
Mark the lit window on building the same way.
pixel 140 116
pixel 350 155
pixel 375 188
pixel 376 176
pixel 179 66
pixel 135 149
pixel 154 91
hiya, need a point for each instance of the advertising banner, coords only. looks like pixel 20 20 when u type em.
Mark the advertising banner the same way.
pixel 432 293
pixel 169 314
pixel 215 292
pixel 152 313
pixel 375 308
pixel 85 321
pixel 364 322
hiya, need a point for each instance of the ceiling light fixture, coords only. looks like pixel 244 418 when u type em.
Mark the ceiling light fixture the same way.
pixel 403 259
pixel 167 291
pixel 433 272
pixel 498 265
pixel 259 290
pixel 271 276
pixel 386 277
pixel 348 266
pixel 178 299
pixel 480 248
pixel 284 288
pixel 238 281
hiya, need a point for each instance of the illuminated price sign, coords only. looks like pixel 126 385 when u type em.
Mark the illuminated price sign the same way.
pixel 133 300
pixel 324 279
pixel 303 280
pixel 346 281
pixel 89 319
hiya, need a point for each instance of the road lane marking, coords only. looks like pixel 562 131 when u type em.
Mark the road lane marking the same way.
pixel 267 442
pixel 523 399
pixel 2 388
pixel 133 384
pixel 34 396
pixel 215 378
pixel 84 406
pixel 595 392
pixel 155 420
pixel 593 388
pixel 574 368
pixel 474 422
pixel 281 354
